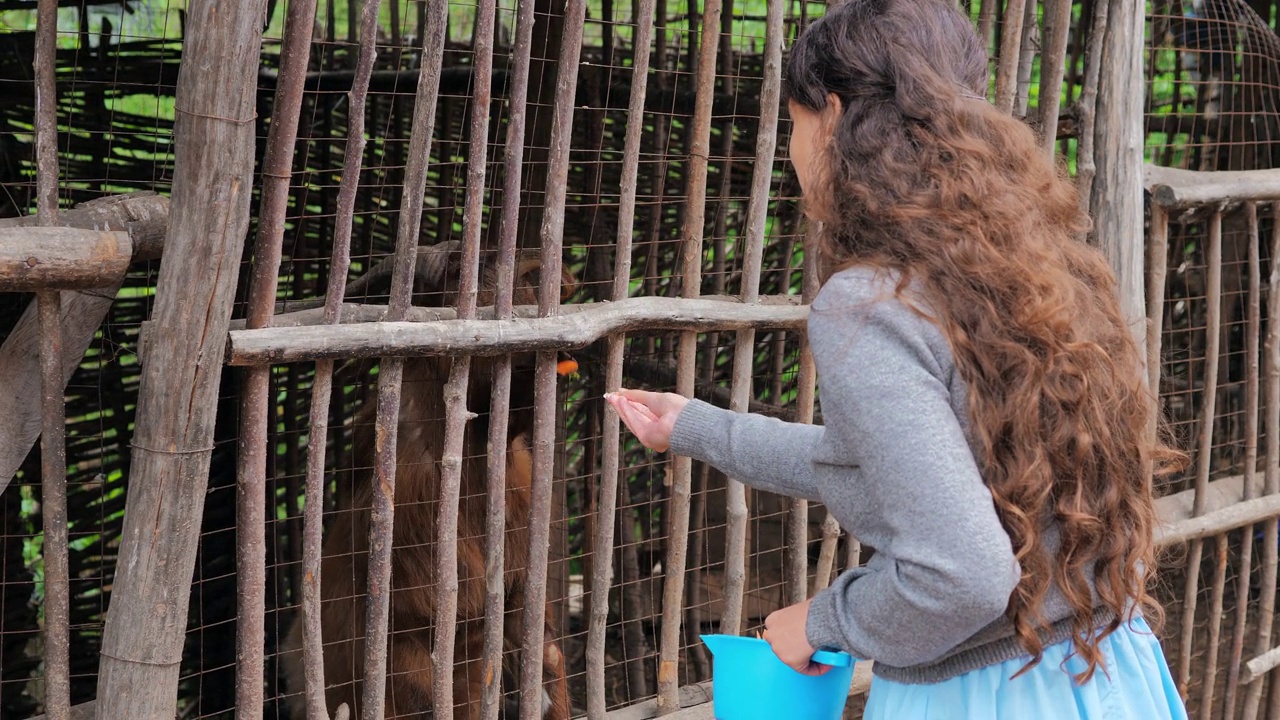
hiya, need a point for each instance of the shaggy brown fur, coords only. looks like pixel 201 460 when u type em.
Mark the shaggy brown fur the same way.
pixel 344 570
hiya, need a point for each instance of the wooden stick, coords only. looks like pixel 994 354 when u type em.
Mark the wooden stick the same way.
pixel 1271 483
pixel 677 509
pixel 255 404
pixel 354 313
pixel 212 184
pixel 1086 160
pixel 322 385
pixel 1261 665
pixel 46 61
pixel 987 23
pixel 807 381
pixel 455 390
pixel 1204 451
pixel 826 553
pixel 1007 66
pixel 143 215
pixel 53 503
pixel 391 371
pixel 489 337
pixel 1157 259
pixel 1253 334
pixel 610 488
pixel 736 509
pixel 1117 203
pixel 1216 522
pixel 1026 57
pixel 20 368
pixel 1215 627
pixel 61 258
pixel 552 235
pixel 1057 26
pixel 1175 188
pixel 500 403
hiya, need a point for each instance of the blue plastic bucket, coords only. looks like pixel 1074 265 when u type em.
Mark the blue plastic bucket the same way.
pixel 749 682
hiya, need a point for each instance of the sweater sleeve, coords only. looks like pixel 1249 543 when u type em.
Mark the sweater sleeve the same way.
pixel 763 452
pixel 898 472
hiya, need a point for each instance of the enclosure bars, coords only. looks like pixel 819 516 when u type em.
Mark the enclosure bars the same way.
pixel 391 369
pixel 255 398
pixel 552 238
pixel 500 403
pixel 691 232
pixel 737 510
pixel 322 385
pixel 173 436
pixel 455 391
pixel 610 488
pixel 1179 190
pixel 57 583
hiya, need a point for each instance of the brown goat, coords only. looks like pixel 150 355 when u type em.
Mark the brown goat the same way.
pixel 344 567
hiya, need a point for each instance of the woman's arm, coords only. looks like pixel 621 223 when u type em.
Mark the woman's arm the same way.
pixel 900 475
pixel 763 452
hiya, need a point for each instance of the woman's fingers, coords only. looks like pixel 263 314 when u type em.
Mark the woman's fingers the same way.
pixel 643 424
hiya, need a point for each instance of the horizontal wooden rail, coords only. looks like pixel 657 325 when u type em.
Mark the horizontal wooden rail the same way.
pixel 582 326
pixel 144 215
pixel 1173 188
pixel 1260 666
pixel 61 258
pixel 1219 521
pixel 354 313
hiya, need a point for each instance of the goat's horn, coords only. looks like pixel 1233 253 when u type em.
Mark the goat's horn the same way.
pixel 433 263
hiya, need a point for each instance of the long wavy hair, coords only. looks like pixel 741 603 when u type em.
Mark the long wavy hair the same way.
pixel 922 176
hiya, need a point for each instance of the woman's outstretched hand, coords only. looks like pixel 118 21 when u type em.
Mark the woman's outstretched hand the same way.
pixel 651 416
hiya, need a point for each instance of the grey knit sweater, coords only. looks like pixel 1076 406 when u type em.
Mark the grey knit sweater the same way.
pixel 894 463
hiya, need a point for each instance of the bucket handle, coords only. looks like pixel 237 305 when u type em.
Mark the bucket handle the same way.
pixel 832 658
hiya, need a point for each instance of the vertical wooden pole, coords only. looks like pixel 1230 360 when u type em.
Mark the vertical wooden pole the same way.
pixel 602 579
pixel 209 215
pixel 545 391
pixel 255 402
pixel 1053 59
pixel 508 236
pixel 1117 187
pixel 322 386
pixel 1253 333
pixel 1010 42
pixel 53 502
pixel 57 668
pixel 455 391
pixel 1271 479
pixel 46 112
pixel 391 371
pixel 677 508
pixel 744 350
pixel 1204 450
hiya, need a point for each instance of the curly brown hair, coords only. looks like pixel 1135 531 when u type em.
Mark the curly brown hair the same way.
pixel 922 176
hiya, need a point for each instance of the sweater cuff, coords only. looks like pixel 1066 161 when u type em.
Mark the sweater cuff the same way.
pixel 694 431
pixel 823 627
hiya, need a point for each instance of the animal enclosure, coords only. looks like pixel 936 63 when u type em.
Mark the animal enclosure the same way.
pixel 444 209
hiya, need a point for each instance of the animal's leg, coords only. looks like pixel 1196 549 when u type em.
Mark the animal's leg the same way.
pixel 408 680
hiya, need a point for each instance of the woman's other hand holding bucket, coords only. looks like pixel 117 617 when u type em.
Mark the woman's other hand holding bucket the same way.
pixel 784 630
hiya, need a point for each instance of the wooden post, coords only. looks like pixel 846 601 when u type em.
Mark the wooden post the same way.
pixel 213 179
pixel 255 402
pixel 145 218
pixel 1117 187
pixel 39 258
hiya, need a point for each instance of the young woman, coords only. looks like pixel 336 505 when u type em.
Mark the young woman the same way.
pixel 985 417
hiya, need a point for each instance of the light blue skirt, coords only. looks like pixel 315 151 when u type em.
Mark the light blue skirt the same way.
pixel 1137 685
